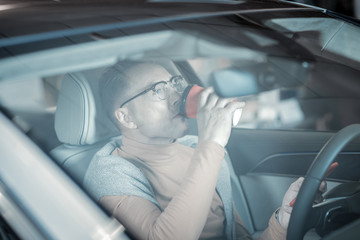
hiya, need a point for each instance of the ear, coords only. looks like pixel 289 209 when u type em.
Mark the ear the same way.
pixel 124 118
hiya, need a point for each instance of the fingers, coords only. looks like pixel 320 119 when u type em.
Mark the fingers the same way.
pixel 292 202
pixel 233 105
pixel 209 99
pixel 294 190
pixel 331 168
pixel 297 185
pixel 288 201
pixel 204 95
pixel 323 187
pixel 215 116
pixel 222 102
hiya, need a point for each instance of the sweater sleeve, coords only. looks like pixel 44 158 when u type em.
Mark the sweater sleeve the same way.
pixel 241 232
pixel 186 214
pixel 274 231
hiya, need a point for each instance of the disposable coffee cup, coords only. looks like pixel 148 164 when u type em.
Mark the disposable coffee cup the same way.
pixel 189 104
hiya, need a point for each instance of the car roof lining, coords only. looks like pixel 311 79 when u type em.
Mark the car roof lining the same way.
pixel 103 53
pixel 115 22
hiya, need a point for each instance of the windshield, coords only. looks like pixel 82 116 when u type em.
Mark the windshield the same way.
pixel 295 87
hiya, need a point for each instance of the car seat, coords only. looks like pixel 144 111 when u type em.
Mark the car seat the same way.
pixel 81 125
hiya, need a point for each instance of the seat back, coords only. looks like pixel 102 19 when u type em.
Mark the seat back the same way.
pixel 81 125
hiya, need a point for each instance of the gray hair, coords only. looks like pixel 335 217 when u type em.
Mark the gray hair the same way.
pixel 114 83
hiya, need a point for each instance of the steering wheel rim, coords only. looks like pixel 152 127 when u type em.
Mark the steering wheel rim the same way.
pixel 302 207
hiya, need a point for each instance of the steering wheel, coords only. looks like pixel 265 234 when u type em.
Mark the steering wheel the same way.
pixel 304 216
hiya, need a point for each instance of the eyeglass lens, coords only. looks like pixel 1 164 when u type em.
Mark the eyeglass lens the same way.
pixel 161 89
pixel 178 83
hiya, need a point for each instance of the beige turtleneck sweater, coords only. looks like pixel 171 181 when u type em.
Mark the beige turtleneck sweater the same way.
pixel 184 181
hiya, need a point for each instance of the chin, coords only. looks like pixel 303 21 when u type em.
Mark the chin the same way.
pixel 181 130
pixel 183 134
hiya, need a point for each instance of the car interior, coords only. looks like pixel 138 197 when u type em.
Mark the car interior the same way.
pixel 288 118
pixel 81 129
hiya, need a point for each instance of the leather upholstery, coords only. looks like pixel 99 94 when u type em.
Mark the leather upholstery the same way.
pixel 80 124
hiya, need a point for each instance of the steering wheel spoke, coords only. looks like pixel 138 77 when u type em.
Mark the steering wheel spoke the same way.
pixel 327 213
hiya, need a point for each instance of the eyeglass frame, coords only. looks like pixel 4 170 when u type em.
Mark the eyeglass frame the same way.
pixel 152 88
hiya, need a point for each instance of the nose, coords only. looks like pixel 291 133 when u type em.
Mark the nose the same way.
pixel 174 99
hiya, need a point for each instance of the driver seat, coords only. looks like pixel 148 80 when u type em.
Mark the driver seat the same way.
pixel 81 125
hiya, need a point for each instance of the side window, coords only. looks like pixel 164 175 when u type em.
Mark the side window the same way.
pixel 287 109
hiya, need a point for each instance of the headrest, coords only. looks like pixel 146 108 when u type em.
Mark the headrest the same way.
pixel 79 119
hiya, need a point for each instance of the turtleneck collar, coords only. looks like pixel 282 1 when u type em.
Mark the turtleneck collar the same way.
pixel 151 153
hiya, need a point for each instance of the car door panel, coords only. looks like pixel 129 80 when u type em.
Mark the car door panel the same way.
pixel 266 162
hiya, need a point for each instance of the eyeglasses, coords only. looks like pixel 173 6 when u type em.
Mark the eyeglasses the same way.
pixel 161 88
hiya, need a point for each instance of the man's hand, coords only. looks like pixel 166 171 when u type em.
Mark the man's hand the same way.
pixel 291 194
pixel 289 198
pixel 214 117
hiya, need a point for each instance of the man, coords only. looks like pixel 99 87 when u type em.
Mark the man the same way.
pixel 155 186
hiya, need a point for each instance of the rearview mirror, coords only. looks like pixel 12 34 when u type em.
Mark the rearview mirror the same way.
pixel 234 83
pixel 254 78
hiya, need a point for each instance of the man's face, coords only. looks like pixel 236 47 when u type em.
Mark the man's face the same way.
pixel 155 118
